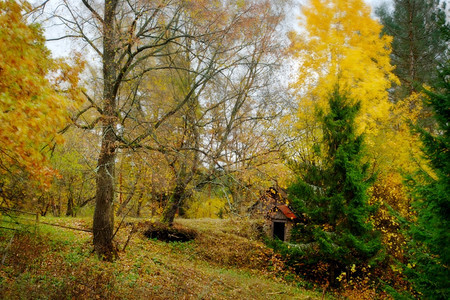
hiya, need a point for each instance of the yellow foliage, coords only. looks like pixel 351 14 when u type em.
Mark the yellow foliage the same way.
pixel 395 148
pixel 341 46
pixel 31 110
pixel 202 206
pixel 388 193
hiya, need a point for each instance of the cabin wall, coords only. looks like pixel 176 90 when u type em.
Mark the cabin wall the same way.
pixel 288 228
pixel 279 217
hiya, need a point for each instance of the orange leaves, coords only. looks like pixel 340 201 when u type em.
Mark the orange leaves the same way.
pixel 31 111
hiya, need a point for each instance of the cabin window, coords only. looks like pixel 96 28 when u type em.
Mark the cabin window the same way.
pixel 278 230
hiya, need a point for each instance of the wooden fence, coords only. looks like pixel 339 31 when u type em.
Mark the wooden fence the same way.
pixel 34 220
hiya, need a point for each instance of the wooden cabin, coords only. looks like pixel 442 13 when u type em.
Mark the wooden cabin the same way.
pixel 280 221
pixel 279 217
pixel 267 201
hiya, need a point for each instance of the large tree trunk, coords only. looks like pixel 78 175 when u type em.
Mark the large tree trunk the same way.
pixel 175 201
pixel 70 207
pixel 103 226
pixel 139 204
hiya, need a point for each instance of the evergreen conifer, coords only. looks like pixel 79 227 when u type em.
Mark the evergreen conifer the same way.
pixel 429 245
pixel 333 193
pixel 420 43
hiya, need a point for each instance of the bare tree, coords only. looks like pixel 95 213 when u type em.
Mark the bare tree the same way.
pixel 217 55
pixel 123 34
pixel 223 115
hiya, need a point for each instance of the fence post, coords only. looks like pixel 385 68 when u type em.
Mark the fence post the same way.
pixel 37 223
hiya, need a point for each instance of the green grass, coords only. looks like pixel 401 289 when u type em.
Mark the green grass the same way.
pixel 223 262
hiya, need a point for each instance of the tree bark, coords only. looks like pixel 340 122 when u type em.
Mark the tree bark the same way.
pixel 103 225
pixel 123 205
pixel 139 205
pixel 174 203
pixel 70 212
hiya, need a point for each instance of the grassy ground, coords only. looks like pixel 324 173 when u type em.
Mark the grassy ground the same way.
pixel 225 261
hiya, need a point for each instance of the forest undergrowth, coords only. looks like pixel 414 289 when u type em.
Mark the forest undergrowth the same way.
pixel 224 261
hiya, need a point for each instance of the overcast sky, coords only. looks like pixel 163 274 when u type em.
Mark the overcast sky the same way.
pixel 375 3
pixel 61 48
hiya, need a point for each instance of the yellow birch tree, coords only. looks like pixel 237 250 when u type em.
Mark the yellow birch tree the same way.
pixel 340 44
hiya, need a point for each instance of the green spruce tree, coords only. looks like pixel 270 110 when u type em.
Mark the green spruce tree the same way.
pixel 333 193
pixel 429 245
pixel 419 43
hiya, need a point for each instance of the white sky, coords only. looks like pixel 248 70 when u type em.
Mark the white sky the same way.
pixel 375 3
pixel 63 47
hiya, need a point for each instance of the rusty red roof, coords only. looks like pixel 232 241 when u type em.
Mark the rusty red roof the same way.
pixel 287 211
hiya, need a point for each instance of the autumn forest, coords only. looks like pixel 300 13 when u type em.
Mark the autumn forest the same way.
pixel 224 149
